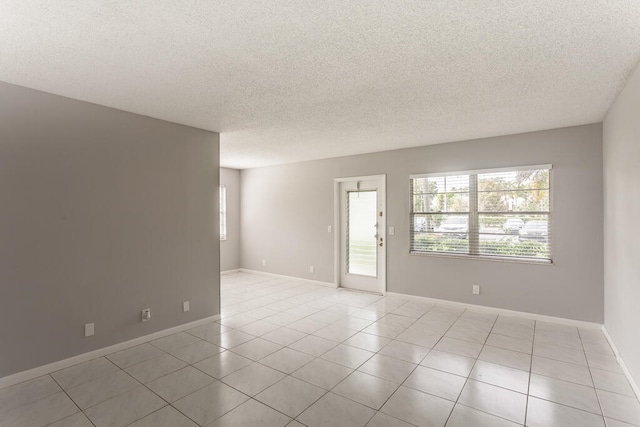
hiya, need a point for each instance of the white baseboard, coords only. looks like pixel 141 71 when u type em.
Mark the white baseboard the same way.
pixel 225 272
pixel 506 312
pixel 626 371
pixel 503 311
pixel 74 360
pixel 282 276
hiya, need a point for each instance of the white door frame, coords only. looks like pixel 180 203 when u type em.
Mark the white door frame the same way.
pixel 382 232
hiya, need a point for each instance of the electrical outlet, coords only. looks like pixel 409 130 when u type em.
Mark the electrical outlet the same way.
pixel 476 289
pixel 185 306
pixel 146 314
pixel 264 262
pixel 88 329
pixel 312 269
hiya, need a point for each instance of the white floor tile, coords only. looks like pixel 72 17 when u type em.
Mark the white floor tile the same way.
pixel 438 383
pixel 494 400
pixel 222 364
pixel 337 358
pixel 464 416
pixel 350 357
pixel 39 413
pixel 561 370
pixel 377 390
pixel 27 392
pixel 333 410
pixel 133 356
pixel 252 379
pixel 125 408
pixel 405 351
pixel 178 384
pixel 250 414
pixel 619 407
pixel 84 372
pixel 210 403
pixel 101 389
pixel 155 368
pixel 509 358
pixel 322 373
pixel 287 360
pixel 418 408
pixel 502 376
pixel 566 393
pixel 448 362
pixel 388 368
pixel 290 396
pixel 165 417
pixel 542 413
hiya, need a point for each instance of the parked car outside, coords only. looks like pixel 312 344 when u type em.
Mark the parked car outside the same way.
pixel 535 230
pixel 457 225
pixel 512 225
pixel 419 224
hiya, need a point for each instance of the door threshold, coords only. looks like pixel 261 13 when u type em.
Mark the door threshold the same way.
pixel 359 291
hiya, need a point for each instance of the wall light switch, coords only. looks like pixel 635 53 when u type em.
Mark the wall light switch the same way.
pixel 264 262
pixel 476 289
pixel 392 231
pixel 88 329
pixel 185 306
pixel 329 229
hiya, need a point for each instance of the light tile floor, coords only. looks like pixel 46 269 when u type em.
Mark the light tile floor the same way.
pixel 290 353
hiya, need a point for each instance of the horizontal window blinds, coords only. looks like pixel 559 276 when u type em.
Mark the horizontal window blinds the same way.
pixel 502 213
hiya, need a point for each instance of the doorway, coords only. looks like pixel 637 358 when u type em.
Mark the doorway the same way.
pixel 360 237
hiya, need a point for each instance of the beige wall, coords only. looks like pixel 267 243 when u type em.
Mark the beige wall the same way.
pixel 103 213
pixel 621 212
pixel 286 210
pixel 230 248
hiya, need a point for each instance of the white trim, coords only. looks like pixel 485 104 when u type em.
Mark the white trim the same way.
pixel 479 171
pixel 503 311
pixel 360 178
pixel 225 272
pixel 282 276
pixel 620 361
pixel 337 228
pixel 84 357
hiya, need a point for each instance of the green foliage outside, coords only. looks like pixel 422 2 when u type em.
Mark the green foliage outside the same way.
pixel 506 247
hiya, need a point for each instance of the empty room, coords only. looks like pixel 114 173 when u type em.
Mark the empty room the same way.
pixel 353 213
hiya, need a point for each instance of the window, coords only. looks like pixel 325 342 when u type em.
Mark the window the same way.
pixel 498 213
pixel 223 212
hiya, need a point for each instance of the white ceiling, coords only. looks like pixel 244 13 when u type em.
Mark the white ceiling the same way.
pixel 295 80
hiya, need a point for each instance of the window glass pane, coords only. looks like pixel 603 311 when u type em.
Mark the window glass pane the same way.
pixel 521 191
pixel 441 233
pixel 524 236
pixel 534 179
pixel 223 212
pixel 441 194
pixel 514 200
pixel 511 218
pixel 361 233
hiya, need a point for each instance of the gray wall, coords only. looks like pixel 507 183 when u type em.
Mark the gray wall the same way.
pixel 103 213
pixel 230 248
pixel 621 231
pixel 286 210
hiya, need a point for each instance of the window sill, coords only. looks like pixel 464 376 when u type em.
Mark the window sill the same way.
pixel 484 258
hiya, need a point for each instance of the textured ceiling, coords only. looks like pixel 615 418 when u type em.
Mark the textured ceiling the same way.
pixel 296 80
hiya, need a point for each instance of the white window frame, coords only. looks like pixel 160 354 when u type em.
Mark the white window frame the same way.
pixel 474 215
pixel 223 212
